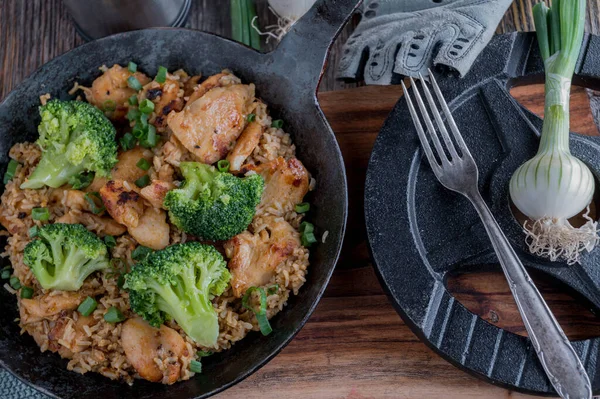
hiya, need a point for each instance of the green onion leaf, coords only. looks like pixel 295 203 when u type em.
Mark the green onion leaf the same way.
pixel 133 114
pixel 132 67
pixel 278 123
pixel 161 76
pixel 195 366
pixel 306 227
pixel 133 100
pixel 151 138
pixel 110 241
pixel 33 231
pixel 203 353
pixel 138 131
pixel 88 306
pixel 15 283
pixel 143 181
pixel 127 141
pixel 6 273
pixel 141 253
pixel 251 117
pixel 27 292
pixel 261 313
pixel 134 83
pixel 308 239
pixel 10 170
pixel 143 164
pixel 41 214
pixel 146 106
pixel 114 315
pixel 302 207
pixel 273 289
pixel 109 105
pixel 95 202
pixel 81 180
pixel 143 120
pixel 223 165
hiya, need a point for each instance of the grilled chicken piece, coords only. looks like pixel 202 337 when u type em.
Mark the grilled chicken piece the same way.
pixel 155 193
pixel 244 146
pixel 152 230
pixel 165 97
pixel 143 343
pixel 286 182
pixel 48 306
pixel 111 88
pixel 70 199
pixel 210 83
pixel 64 342
pixel 100 225
pixel 254 257
pixel 209 126
pixel 123 203
pixel 190 85
pixel 125 169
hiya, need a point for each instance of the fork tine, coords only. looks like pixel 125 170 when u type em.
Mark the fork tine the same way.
pixel 432 134
pixel 455 132
pixel 438 119
pixel 421 133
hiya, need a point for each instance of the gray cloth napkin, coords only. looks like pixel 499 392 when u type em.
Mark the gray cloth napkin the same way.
pixel 11 388
pixel 405 37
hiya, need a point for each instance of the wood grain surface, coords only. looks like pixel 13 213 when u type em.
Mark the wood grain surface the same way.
pixel 355 346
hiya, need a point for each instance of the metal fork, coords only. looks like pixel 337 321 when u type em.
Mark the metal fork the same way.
pixel 459 173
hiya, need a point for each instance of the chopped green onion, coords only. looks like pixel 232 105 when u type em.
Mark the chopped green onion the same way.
pixel 278 123
pixel 92 198
pixel 134 83
pixel 10 170
pixel 132 66
pixel 143 164
pixel 308 239
pixel 140 253
pixel 110 241
pixel 133 114
pixel 121 281
pixel 41 214
pixel 151 138
pixel 203 353
pixel 127 141
pixel 133 100
pixel 81 180
pixel 261 313
pixel 114 315
pixel 6 273
pixel 143 120
pixel 146 106
pixel 143 181
pixel 33 231
pixel 138 131
pixel 273 289
pixel 109 105
pixel 27 292
pixel 15 283
pixel 223 165
pixel 307 227
pixel 195 366
pixel 302 207
pixel 161 76
pixel 251 117
pixel 88 306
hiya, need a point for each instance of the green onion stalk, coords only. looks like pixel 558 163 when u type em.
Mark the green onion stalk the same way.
pixel 554 185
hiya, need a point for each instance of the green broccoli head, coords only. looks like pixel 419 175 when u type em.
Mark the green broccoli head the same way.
pixel 211 204
pixel 74 137
pixel 178 283
pixel 64 255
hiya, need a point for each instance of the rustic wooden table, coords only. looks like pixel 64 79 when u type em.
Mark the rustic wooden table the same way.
pixel 355 346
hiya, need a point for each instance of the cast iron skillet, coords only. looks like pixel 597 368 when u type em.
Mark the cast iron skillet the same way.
pixel 287 80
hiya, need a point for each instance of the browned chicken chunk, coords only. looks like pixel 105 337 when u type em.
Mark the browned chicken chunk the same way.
pixel 152 231
pixel 125 169
pixel 209 126
pixel 210 83
pixel 66 334
pixel 165 97
pixel 143 343
pixel 156 192
pixel 110 92
pixel 286 182
pixel 48 306
pixel 254 257
pixel 122 202
pixel 245 145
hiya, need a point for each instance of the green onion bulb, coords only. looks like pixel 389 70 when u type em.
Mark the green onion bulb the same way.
pixel 554 185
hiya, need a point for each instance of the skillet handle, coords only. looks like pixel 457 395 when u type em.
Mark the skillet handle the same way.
pixel 304 49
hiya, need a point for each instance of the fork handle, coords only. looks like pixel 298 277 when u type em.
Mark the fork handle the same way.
pixel 557 356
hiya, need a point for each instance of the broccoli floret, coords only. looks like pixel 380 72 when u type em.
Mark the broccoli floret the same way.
pixel 74 137
pixel 64 255
pixel 178 283
pixel 211 204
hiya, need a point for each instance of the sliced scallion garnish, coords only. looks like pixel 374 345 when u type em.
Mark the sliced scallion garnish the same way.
pixel 195 366
pixel 161 75
pixel 88 306
pixel 127 141
pixel 26 292
pixel 114 315
pixel 10 170
pixel 132 67
pixel 134 83
pixel 95 202
pixel 110 241
pixel 146 106
pixel 143 164
pixel 223 165
pixel 15 283
pixel 82 180
pixel 41 214
pixel 109 105
pixel 251 117
pixel 302 207
pixel 277 123
pixel 261 312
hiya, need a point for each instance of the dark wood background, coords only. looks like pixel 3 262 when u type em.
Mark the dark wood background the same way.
pixel 355 346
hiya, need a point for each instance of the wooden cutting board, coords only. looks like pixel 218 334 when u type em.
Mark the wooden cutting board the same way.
pixel 355 346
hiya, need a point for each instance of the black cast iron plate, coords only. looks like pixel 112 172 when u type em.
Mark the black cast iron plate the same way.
pixel 420 232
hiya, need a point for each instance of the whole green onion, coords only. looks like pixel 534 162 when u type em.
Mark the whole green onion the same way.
pixel 243 13
pixel 554 185
pixel 261 313
pixel 41 214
